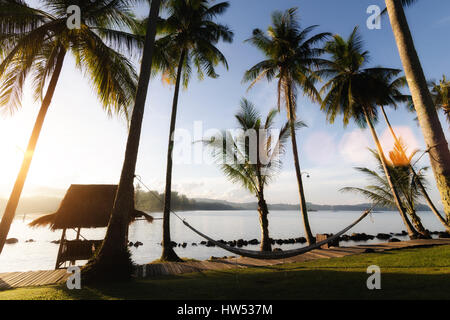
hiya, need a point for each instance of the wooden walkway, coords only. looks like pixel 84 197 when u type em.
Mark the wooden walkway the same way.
pixel 32 278
pixel 41 278
pixel 172 268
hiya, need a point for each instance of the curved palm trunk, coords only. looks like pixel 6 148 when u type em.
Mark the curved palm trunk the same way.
pixel 409 228
pixel 263 211
pixel 113 261
pixel 14 198
pixel 423 103
pixel 291 115
pixel 418 224
pixel 419 183
pixel 168 254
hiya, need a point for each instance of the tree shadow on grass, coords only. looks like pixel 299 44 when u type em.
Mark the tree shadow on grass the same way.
pixel 292 285
pixel 4 285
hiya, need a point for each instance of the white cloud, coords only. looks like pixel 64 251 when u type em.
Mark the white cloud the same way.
pixel 402 132
pixel 319 146
pixel 353 146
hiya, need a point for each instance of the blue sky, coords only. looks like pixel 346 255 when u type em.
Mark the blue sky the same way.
pixel 80 144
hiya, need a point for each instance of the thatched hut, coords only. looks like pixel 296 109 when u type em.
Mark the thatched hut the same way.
pixel 83 206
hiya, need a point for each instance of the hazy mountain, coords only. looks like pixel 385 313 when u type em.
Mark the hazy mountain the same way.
pixel 282 206
pixel 34 205
pixel 41 205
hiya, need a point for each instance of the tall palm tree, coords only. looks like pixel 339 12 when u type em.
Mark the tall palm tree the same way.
pixel 355 92
pixel 440 92
pixel 395 95
pixel 188 38
pixel 253 157
pixel 34 43
pixel 423 102
pixel 291 56
pixel 113 260
pixel 418 181
pixel 405 181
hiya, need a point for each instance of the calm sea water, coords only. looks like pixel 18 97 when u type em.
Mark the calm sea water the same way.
pixel 226 225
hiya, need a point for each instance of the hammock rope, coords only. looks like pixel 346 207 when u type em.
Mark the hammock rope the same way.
pixel 263 255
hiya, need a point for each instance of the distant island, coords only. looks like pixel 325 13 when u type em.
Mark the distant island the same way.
pixel 152 202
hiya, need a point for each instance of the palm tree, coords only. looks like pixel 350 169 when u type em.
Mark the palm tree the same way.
pixel 291 57
pixel 394 87
pixel 113 260
pixel 34 43
pixel 405 181
pixel 188 38
pixel 441 95
pixel 423 102
pixel 355 91
pixel 394 96
pixel 252 158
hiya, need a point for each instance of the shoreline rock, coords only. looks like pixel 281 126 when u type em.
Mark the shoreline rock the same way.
pixel 11 241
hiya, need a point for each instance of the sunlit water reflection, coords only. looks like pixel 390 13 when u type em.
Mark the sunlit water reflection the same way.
pixel 226 225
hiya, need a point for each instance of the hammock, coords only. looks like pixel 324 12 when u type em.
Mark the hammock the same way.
pixel 265 255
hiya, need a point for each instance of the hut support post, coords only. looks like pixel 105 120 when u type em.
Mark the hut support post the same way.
pixel 72 262
pixel 61 243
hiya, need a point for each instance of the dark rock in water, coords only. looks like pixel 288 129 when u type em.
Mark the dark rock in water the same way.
pixel 184 245
pixel 11 241
pixel 210 244
pixel 240 243
pixel 394 240
pixel 361 237
pixel 173 244
pixel 30 240
pixel 404 233
pixel 272 241
pixel 277 250
pixel 214 258
pixel 193 244
pixel 300 240
pixel 55 241
pixel 345 237
pixel 254 241
pixel 232 243
pixel 435 232
pixel 291 241
pixel 130 244
pixel 383 236
pixel 444 235
pixel 137 244
pixel 203 242
pixel 279 241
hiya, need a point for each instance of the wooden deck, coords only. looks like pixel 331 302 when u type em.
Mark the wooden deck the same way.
pixel 41 278
pixel 172 268
pixel 32 278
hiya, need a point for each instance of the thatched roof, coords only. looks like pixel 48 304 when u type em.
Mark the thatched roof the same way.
pixel 85 206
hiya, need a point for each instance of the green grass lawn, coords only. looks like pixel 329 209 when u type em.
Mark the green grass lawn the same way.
pixel 405 274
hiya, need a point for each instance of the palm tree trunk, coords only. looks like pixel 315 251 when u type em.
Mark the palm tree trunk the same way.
pixel 417 180
pixel 263 211
pixel 168 254
pixel 423 103
pixel 113 261
pixel 291 117
pixel 418 224
pixel 409 228
pixel 10 210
